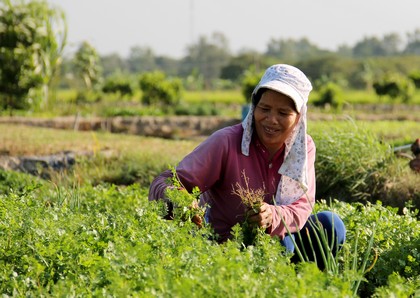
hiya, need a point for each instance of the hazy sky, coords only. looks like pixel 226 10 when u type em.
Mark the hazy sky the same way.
pixel 169 26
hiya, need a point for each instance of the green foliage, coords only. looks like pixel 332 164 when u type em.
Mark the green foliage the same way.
pixel 206 58
pixel 16 182
pixel 95 241
pixel 87 96
pixel 185 205
pixel 395 86
pixel 140 169
pixel 349 161
pixel 118 85
pixel 415 77
pixel 204 109
pixel 330 96
pixel 19 48
pixel 249 82
pixel 87 65
pixel 395 253
pixel 159 90
pixel 292 50
pixel 32 38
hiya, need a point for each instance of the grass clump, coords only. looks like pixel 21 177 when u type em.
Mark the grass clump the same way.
pixel 353 164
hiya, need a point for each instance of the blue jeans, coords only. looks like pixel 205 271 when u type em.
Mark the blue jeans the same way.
pixel 336 234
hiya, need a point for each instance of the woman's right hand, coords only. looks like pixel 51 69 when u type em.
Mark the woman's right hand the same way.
pixel 262 217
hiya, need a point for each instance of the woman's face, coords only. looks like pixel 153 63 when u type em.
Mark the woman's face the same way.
pixel 275 117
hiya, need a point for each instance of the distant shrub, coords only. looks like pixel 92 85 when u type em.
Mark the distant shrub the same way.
pixel 330 96
pixel 415 77
pixel 88 96
pixel 118 85
pixel 395 86
pixel 160 90
pixel 249 83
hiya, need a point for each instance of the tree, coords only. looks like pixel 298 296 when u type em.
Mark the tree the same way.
pixel 368 47
pixel 207 57
pixel 112 64
pixel 331 66
pixel 168 65
pixel 52 41
pixel 141 59
pixel 87 64
pixel 235 69
pixel 413 44
pixel 391 44
pixel 293 50
pixel 32 38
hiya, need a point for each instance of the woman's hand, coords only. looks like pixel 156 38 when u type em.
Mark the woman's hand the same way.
pixel 197 219
pixel 263 217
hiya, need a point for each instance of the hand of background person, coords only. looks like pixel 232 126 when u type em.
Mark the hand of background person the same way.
pixel 263 217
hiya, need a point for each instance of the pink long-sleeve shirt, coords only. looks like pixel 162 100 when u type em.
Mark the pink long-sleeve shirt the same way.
pixel 215 167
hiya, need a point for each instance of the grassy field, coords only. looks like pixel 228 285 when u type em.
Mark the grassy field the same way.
pixel 125 159
pixel 225 103
pixel 23 140
pixel 92 232
pixel 236 97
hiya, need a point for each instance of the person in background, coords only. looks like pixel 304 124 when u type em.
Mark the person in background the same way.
pixel 269 151
pixel 415 162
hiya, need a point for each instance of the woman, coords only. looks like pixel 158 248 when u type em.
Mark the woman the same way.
pixel 269 151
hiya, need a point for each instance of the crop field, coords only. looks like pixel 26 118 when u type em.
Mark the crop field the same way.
pixel 83 136
pixel 90 230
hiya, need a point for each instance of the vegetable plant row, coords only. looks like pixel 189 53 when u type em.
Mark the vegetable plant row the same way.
pixel 106 240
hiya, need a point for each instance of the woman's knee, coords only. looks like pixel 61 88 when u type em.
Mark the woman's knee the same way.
pixel 332 223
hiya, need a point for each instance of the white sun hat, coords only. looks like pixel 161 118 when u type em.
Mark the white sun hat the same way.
pixel 288 80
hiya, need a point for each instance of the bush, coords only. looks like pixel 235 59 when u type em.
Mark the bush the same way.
pixel 330 95
pixel 349 163
pixel 159 90
pixel 118 85
pixel 249 83
pixel 395 86
pixel 415 77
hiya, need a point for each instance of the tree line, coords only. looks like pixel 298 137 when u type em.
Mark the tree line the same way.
pixel 210 60
pixel 33 36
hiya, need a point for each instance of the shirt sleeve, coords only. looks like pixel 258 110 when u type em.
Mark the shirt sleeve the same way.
pixel 158 186
pixel 201 168
pixel 291 218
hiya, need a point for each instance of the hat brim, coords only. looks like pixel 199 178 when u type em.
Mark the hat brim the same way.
pixel 285 89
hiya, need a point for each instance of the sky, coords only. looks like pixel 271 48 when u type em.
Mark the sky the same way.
pixel 168 27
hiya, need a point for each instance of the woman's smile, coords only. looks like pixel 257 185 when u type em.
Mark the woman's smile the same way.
pixel 270 130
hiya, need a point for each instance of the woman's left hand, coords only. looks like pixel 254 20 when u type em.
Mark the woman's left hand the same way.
pixel 263 218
